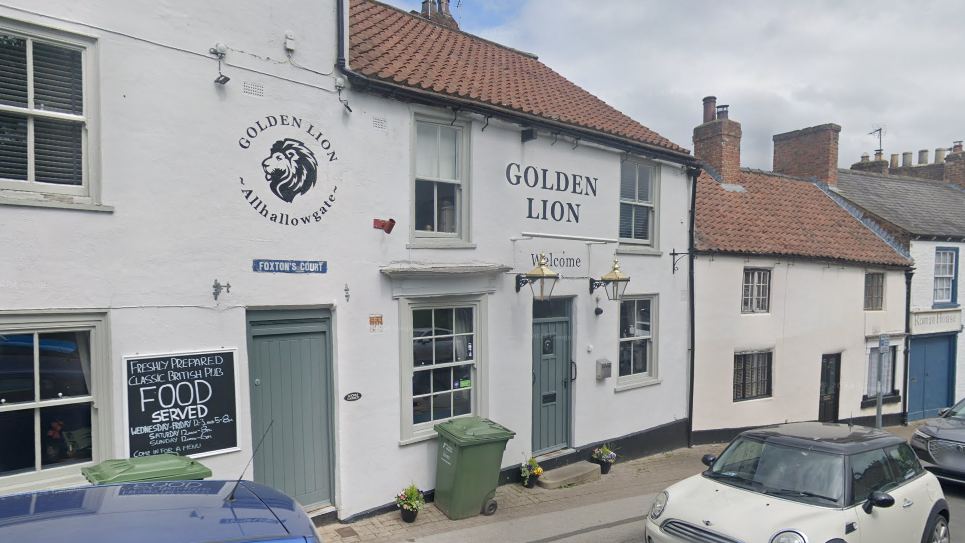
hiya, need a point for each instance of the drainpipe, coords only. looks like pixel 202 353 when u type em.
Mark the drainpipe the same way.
pixel 904 397
pixel 341 13
pixel 694 173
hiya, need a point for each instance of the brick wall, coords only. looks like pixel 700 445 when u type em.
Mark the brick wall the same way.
pixel 955 169
pixel 809 152
pixel 718 143
pixel 934 172
pixel 873 166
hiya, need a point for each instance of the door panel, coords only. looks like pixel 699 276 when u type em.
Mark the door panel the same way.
pixel 551 386
pixel 930 376
pixel 290 383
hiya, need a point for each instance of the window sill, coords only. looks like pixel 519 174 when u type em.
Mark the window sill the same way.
pixel 752 313
pixel 425 435
pixel 54 204
pixel 945 305
pixel 636 384
pixel 634 249
pixel 872 401
pixel 439 243
pixel 754 399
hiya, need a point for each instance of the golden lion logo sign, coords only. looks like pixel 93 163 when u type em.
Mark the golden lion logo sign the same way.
pixel 288 150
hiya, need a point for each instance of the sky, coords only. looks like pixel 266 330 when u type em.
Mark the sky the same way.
pixel 779 65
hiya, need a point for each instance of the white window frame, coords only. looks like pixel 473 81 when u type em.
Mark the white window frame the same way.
pixel 632 244
pixel 462 238
pixel 752 304
pixel 944 277
pixel 412 433
pixel 32 193
pixel 869 294
pixel 101 393
pixel 652 375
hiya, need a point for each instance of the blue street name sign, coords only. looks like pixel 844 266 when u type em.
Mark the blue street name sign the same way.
pixel 290 266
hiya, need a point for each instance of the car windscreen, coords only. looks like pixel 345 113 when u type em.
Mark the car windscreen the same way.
pixel 788 472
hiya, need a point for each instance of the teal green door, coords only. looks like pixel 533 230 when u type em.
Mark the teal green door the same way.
pixel 290 378
pixel 551 377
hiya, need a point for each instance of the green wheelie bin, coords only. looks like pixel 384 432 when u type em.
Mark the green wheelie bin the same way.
pixel 467 467
pixel 159 467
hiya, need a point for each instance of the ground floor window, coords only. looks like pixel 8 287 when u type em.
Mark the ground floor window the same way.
pixel 887 374
pixel 752 375
pixel 636 339
pixel 48 374
pixel 441 353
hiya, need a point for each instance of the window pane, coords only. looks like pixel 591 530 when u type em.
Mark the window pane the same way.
pixel 627 310
pixel 644 184
pixel 422 321
pixel 557 308
pixel 16 369
pixel 904 462
pixel 441 406
pixel 626 220
pixel 425 206
pixel 17 445
pixel 461 402
pixel 441 379
pixel 422 351
pixel 463 347
pixel 58 152
pixel 13 71
pixel 58 79
pixel 443 323
pixel 421 408
pixel 427 150
pixel 66 434
pixel 640 356
pixel 444 347
pixel 626 356
pixel 463 320
pixel 13 147
pixel 64 365
pixel 641 222
pixel 421 383
pixel 462 376
pixel 628 181
pixel 448 153
pixel 642 324
pixel 446 199
pixel 870 473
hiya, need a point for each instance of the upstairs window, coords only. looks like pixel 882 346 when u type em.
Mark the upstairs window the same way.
pixel 43 115
pixel 638 209
pixel 946 281
pixel 440 194
pixel 874 286
pixel 757 291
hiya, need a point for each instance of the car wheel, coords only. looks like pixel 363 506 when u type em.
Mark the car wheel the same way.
pixel 937 531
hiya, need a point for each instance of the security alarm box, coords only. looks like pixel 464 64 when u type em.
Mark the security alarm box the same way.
pixel 603 368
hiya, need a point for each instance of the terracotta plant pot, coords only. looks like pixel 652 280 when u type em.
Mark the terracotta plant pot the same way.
pixel 532 481
pixel 409 515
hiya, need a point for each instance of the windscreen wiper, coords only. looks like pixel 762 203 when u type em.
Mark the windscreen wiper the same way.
pixel 789 492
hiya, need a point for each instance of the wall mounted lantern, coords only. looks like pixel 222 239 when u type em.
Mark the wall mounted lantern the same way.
pixel 615 283
pixel 541 280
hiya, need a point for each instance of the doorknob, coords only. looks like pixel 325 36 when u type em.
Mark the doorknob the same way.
pixel 257 382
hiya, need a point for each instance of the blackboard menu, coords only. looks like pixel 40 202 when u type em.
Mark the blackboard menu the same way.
pixel 183 403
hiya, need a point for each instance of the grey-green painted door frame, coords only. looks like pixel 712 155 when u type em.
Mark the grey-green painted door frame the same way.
pixel 291 383
pixel 551 384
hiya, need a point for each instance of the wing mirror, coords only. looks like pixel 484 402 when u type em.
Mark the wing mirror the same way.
pixel 877 499
pixel 708 460
pixel 943 411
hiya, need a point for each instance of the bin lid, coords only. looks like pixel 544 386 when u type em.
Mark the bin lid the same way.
pixel 472 430
pixel 159 467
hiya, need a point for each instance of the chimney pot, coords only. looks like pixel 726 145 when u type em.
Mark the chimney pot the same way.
pixel 957 147
pixel 940 155
pixel 722 112
pixel 879 155
pixel 923 157
pixel 894 160
pixel 906 160
pixel 710 108
pixel 865 157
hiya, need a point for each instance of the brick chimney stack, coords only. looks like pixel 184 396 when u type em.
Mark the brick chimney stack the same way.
pixel 718 141
pixel 437 11
pixel 954 171
pixel 809 152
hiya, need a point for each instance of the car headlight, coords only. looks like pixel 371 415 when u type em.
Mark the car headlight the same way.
pixel 788 537
pixel 920 436
pixel 659 504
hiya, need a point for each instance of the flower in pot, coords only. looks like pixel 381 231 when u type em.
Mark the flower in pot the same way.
pixel 605 457
pixel 410 501
pixel 530 471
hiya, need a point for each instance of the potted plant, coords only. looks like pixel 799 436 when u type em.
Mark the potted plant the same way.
pixel 410 501
pixel 605 457
pixel 530 471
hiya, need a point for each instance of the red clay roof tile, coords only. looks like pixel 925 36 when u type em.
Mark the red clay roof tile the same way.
pixel 398 47
pixel 778 215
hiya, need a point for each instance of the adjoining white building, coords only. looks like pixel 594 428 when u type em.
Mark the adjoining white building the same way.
pixel 923 205
pixel 793 291
pixel 308 226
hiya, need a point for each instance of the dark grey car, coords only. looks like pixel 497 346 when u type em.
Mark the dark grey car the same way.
pixel 940 443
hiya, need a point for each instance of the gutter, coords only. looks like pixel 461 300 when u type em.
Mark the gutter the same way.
pixel 460 105
pixel 904 397
pixel 692 249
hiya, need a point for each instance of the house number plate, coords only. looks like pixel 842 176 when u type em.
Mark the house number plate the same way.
pixel 352 396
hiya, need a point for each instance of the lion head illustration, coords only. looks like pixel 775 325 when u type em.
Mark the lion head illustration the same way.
pixel 291 169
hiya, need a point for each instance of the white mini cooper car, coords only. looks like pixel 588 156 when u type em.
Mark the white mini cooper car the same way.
pixel 805 482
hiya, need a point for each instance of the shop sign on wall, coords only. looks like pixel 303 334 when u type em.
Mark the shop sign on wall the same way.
pixel 286 170
pixel 375 324
pixel 290 266
pixel 181 403
pixel 932 322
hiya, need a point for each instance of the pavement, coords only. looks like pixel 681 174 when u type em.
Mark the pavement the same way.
pixel 629 486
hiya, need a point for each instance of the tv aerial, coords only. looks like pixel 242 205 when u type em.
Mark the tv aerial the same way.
pixel 880 129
